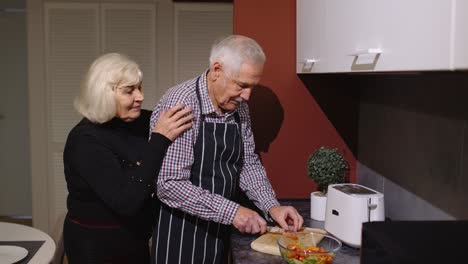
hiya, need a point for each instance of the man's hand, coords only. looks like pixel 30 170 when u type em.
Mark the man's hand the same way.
pixel 287 217
pixel 248 221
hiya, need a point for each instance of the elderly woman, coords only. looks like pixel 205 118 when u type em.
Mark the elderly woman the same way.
pixel 111 167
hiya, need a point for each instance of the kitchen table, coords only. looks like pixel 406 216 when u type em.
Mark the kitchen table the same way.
pixel 243 254
pixel 41 247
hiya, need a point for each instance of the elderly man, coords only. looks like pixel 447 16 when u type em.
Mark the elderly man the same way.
pixel 205 166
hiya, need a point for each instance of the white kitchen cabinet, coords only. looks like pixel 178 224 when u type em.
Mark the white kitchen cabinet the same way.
pixel 380 35
pixel 311 19
pixel 460 38
pixel 415 35
pixel 351 28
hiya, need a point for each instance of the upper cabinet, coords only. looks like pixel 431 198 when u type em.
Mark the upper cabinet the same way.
pixel 308 49
pixel 460 46
pixel 381 35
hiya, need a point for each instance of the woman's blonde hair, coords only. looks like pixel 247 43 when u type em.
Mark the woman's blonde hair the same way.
pixel 97 101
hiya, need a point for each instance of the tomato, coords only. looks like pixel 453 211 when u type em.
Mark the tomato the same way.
pixel 314 249
pixel 292 247
pixel 300 253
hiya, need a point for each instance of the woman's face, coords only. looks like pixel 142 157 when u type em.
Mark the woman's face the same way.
pixel 129 101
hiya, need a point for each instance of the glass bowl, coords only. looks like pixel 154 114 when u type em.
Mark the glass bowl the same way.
pixel 308 248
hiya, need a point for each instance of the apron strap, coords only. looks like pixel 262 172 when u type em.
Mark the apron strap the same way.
pixel 197 87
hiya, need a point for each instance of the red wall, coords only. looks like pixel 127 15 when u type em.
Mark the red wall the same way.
pixel 304 128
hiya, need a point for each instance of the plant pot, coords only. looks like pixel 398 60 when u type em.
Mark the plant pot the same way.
pixel 318 205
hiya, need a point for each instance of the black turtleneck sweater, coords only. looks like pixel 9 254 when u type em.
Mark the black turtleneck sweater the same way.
pixel 111 170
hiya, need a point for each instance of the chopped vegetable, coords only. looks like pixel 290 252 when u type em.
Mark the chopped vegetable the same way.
pixel 298 254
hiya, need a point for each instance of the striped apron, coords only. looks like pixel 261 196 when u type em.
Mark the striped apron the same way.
pixel 183 238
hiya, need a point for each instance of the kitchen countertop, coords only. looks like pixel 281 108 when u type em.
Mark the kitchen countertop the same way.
pixel 243 254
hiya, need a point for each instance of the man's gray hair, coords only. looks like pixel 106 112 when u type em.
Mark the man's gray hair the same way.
pixel 97 100
pixel 235 50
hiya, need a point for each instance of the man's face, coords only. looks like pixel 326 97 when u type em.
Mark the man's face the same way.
pixel 235 89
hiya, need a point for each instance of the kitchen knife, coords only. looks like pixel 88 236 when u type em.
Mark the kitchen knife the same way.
pixel 275 229
pixel 279 230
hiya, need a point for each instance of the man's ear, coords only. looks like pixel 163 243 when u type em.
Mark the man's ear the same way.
pixel 217 70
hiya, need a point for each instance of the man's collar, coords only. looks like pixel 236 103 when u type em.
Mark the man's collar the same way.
pixel 206 103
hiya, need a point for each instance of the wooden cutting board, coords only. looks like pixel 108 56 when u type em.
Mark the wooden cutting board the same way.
pixel 266 243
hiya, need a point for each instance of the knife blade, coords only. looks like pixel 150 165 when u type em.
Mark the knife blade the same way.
pixel 279 230
pixel 275 229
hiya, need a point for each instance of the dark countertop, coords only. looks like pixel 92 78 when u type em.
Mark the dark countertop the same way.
pixel 243 254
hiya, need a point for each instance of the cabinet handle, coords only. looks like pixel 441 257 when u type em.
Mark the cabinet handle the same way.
pixel 308 63
pixel 367 52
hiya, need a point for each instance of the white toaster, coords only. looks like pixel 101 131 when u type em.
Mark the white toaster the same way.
pixel 348 206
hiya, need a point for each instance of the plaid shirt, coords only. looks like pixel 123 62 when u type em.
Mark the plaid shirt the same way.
pixel 173 185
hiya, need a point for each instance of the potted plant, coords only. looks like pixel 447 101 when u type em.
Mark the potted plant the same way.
pixel 325 166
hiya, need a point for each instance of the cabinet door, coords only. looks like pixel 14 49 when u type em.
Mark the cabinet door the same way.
pixel 192 45
pixel 310 28
pixel 72 43
pixel 130 29
pixel 460 53
pixel 415 35
pixel 380 35
pixel 350 32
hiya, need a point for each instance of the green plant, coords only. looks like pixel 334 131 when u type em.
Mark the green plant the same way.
pixel 326 166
